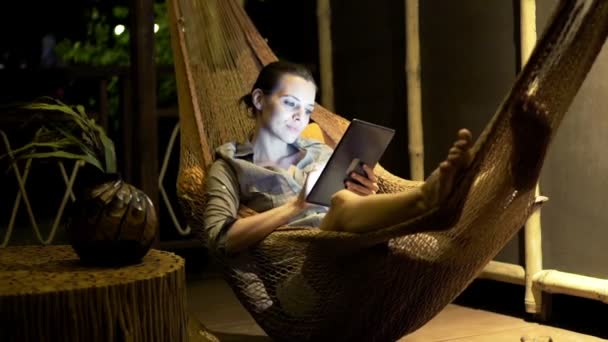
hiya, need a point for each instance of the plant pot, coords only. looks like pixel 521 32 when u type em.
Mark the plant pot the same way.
pixel 112 223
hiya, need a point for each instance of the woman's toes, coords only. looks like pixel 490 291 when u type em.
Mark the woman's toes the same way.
pixel 465 134
pixel 461 144
pixel 445 166
pixel 455 151
pixel 454 160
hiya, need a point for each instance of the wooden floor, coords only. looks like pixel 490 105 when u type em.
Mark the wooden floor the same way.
pixel 212 302
pixel 458 323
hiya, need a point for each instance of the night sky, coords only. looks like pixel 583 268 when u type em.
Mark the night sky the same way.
pixel 290 26
pixel 23 24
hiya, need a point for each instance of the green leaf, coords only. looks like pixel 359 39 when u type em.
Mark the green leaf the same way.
pixel 85 146
pixel 120 12
pixel 109 153
pixel 80 109
pixel 61 108
pixel 69 133
pixel 48 106
pixel 107 145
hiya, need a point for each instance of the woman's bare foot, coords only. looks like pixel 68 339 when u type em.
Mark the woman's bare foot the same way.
pixel 359 214
pixel 439 184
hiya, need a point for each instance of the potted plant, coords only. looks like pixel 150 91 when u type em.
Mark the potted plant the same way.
pixel 111 222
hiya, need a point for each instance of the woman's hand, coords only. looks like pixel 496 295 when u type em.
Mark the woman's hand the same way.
pixel 300 201
pixel 369 185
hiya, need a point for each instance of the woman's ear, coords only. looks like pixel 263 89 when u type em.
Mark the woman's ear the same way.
pixel 257 97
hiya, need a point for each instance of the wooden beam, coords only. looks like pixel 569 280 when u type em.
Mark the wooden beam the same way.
pixel 143 70
pixel 325 54
pixel 126 149
pixel 104 105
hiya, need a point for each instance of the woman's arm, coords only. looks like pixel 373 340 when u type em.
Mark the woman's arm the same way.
pixel 248 231
pixel 221 205
pixel 224 229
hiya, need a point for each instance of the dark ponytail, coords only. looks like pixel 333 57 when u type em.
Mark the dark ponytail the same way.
pixel 269 78
pixel 247 100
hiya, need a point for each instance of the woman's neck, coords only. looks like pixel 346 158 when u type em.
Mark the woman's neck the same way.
pixel 270 150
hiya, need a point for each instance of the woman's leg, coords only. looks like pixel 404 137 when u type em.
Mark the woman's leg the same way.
pixel 358 214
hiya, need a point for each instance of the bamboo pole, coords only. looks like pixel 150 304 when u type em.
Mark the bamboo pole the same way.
pixel 532 230
pixel 550 281
pixel 414 97
pixel 504 272
pixel 325 53
pixel 534 258
pixel 553 281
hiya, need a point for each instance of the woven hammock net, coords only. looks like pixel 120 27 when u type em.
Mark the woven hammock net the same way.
pixel 306 284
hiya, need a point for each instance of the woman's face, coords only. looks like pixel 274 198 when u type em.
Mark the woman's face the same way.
pixel 285 112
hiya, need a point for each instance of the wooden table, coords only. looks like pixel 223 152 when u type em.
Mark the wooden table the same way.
pixel 46 294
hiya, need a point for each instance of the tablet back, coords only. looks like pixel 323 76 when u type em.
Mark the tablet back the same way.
pixel 362 143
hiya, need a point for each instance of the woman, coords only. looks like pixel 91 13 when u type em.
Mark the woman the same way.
pixel 269 172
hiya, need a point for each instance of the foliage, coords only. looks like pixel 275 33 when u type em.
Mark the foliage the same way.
pixel 103 47
pixel 67 132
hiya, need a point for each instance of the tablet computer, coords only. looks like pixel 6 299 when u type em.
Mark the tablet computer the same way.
pixel 362 143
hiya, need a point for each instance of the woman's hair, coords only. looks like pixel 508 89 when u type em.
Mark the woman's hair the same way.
pixel 269 78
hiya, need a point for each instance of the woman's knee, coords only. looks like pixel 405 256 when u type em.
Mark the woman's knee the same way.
pixel 338 211
pixel 342 199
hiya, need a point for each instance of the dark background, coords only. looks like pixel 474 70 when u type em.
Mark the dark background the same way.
pixel 24 23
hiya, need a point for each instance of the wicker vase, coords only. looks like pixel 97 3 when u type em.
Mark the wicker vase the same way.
pixel 112 223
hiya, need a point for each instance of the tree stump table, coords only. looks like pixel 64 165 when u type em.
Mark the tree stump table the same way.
pixel 46 294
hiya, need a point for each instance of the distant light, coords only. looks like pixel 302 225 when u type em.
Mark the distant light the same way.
pixel 1 66
pixel 119 29
pixel 156 27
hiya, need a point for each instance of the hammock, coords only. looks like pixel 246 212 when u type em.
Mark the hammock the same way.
pixel 307 284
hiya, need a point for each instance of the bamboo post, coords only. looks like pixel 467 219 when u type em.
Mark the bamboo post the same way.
pixel 533 242
pixel 504 272
pixel 549 281
pixel 553 281
pixel 414 106
pixel 325 53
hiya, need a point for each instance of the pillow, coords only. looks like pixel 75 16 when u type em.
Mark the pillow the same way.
pixel 313 131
